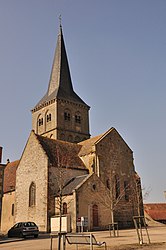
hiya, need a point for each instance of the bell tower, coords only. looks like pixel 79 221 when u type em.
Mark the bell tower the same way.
pixel 61 113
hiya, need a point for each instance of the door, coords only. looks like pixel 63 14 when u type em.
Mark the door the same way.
pixel 95 215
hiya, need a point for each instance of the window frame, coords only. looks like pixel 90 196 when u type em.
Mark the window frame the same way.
pixel 32 195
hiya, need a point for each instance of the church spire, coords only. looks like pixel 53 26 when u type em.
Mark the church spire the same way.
pixel 60 78
pixel 60 84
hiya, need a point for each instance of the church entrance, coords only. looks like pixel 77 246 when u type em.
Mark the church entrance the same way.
pixel 95 216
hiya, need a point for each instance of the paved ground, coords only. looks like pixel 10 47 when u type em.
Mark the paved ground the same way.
pixel 127 240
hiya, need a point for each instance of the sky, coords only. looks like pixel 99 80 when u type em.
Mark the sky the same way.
pixel 117 57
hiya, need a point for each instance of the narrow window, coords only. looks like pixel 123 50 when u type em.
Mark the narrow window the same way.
pixel 40 121
pixel 70 138
pixel 12 209
pixel 32 195
pixel 77 118
pixel 117 186
pixel 66 116
pixel 64 208
pixel 48 117
pixel 62 137
pixel 126 189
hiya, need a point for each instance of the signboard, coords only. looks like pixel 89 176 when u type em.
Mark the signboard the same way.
pixel 79 222
pixel 84 221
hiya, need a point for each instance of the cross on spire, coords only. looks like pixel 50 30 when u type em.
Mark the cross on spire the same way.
pixel 60 20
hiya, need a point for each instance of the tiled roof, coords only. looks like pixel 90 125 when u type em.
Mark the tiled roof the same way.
pixel 73 184
pixel 66 151
pixel 10 176
pixel 157 211
pixel 87 145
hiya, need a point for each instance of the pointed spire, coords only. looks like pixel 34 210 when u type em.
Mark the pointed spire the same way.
pixel 60 76
pixel 60 84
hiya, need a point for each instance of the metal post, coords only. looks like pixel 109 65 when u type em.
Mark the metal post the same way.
pixel 63 241
pixel 91 242
pixel 146 230
pixel 51 244
pixel 136 227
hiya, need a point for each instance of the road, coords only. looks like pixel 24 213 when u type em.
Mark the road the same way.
pixel 28 244
pixel 127 240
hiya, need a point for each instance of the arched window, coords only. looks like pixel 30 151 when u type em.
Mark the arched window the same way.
pixel 32 195
pixel 48 117
pixel 67 115
pixel 117 186
pixel 62 137
pixel 126 190
pixel 78 118
pixel 40 121
pixel 70 138
pixel 64 208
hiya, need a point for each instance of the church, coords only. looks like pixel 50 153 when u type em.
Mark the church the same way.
pixel 63 170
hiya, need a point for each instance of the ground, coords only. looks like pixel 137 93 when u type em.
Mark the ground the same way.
pixel 127 240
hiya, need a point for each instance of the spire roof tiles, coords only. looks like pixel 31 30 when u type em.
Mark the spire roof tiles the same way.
pixel 60 84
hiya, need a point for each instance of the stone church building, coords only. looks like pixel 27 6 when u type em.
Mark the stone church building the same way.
pixel 95 178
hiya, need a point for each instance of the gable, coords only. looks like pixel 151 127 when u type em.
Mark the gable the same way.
pixel 112 146
pixel 32 150
pixel 89 146
pixel 115 137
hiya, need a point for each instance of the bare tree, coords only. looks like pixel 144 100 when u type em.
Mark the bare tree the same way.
pixel 137 198
pixel 121 193
pixel 138 194
pixel 114 195
pixel 60 175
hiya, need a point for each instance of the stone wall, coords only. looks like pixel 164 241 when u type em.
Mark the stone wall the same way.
pixel 48 128
pixel 112 160
pixel 73 131
pixel 8 207
pixel 58 127
pixel 33 167
pixel 116 170
pixel 91 193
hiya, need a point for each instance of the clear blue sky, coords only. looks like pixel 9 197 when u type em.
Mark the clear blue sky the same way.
pixel 117 57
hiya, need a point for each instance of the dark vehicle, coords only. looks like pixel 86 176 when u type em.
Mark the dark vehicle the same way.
pixel 23 229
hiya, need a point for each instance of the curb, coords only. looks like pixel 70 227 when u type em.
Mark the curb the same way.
pixel 8 240
pixel 3 241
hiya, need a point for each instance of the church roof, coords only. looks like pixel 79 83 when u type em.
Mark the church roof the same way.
pixel 67 152
pixel 87 145
pixel 73 184
pixel 60 84
pixel 10 176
